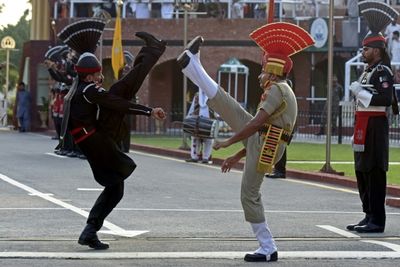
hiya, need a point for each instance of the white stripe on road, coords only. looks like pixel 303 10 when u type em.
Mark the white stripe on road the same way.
pixel 89 189
pixel 55 155
pixel 114 228
pixel 338 231
pixel 392 246
pixel 202 255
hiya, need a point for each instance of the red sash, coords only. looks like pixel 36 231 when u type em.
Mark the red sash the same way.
pixel 360 128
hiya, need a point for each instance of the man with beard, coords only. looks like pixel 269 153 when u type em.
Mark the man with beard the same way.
pixel 373 93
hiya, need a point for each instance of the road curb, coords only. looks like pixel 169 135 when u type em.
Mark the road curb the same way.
pixel 393 192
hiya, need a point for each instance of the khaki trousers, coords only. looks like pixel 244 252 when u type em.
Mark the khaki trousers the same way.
pixel 237 117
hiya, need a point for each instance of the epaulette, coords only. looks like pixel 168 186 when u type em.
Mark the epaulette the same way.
pixel 381 67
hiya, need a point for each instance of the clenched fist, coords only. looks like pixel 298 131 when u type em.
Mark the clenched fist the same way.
pixel 158 114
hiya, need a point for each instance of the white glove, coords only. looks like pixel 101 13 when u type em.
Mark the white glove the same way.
pixel 355 88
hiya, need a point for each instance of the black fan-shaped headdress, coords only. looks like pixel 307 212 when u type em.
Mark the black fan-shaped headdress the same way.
pixel 378 16
pixel 54 53
pixel 83 36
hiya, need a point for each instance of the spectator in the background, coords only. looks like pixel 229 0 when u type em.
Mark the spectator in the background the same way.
pixel 352 8
pixel 390 29
pixel 141 10
pixel 260 11
pixel 23 104
pixel 167 9
pixel 237 10
pixel 110 8
pixel 337 95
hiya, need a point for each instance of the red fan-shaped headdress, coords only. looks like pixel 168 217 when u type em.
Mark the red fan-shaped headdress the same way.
pixel 279 41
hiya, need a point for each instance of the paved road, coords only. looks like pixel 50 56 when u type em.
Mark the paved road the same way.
pixel 173 214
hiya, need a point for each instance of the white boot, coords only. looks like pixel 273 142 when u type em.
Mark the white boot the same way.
pixel 265 239
pixel 196 73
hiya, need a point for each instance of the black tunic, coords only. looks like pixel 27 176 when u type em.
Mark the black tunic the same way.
pixel 94 107
pixel 376 153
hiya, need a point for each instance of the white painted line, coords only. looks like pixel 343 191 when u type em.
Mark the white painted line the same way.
pixel 392 246
pixel 55 155
pixel 201 255
pixel 47 194
pixel 338 231
pixel 323 186
pixel 89 189
pixel 110 226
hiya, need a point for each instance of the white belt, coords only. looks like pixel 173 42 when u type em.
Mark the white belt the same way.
pixel 372 108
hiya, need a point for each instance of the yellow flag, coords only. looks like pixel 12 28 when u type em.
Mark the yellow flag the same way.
pixel 117 55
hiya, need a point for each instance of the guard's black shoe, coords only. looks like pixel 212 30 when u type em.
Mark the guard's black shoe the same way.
pixel 369 228
pixel 152 41
pixel 351 227
pixel 276 175
pixel 194 45
pixel 89 238
pixel 256 257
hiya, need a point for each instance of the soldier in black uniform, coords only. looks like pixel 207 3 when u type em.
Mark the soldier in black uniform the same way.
pixel 373 92
pixel 94 119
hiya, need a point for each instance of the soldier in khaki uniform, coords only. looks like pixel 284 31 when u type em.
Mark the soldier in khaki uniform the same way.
pixel 264 135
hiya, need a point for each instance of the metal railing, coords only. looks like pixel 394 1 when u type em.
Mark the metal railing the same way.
pixel 308 126
pixel 284 8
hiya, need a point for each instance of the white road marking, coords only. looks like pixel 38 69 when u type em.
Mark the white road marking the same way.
pixel 55 155
pixel 392 246
pixel 323 186
pixel 114 228
pixel 48 194
pixel 201 255
pixel 338 231
pixel 89 189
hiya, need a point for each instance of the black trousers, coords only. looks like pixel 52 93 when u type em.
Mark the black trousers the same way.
pixel 105 203
pixel 372 190
pixel 280 166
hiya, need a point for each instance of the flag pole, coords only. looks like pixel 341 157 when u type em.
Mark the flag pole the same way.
pixel 271 7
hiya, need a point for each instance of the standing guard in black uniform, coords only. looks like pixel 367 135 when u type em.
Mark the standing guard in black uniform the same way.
pixel 94 117
pixel 373 92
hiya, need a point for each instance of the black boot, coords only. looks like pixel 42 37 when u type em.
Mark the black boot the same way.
pixel 194 47
pixel 89 238
pixel 257 257
pixel 152 41
pixel 351 227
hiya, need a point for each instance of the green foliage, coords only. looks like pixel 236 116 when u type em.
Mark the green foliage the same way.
pixel 20 33
pixel 45 104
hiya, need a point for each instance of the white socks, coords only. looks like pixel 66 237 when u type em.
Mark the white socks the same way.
pixel 264 237
pixel 196 73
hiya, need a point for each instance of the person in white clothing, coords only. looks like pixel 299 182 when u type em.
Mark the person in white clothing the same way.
pixel 200 146
pixel 390 29
pixel 167 9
